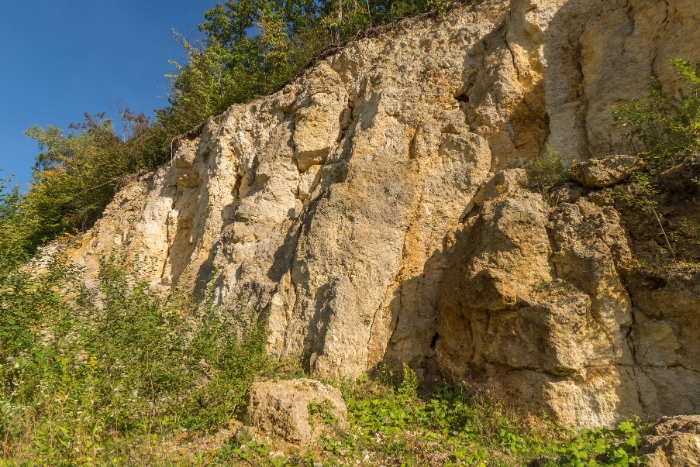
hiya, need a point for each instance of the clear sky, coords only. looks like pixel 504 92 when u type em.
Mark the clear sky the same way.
pixel 60 58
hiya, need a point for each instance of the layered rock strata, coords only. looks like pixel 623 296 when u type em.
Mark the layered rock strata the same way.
pixel 346 203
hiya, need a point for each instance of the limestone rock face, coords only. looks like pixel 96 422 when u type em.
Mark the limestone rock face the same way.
pixel 346 205
pixel 537 297
pixel 296 410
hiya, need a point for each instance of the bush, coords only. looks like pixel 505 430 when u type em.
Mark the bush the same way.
pixel 75 176
pixel 97 375
pixel 665 130
pixel 547 173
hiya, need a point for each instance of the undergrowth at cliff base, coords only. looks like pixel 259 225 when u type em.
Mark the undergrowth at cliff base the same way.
pixel 104 375
pixel 116 375
pixel 390 425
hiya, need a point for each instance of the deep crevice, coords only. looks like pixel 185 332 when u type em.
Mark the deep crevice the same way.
pixel 433 343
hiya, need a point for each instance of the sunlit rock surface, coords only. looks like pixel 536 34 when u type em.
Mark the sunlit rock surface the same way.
pixel 345 205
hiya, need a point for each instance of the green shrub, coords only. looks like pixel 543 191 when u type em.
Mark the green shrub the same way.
pixel 94 374
pixel 603 447
pixel 75 176
pixel 547 173
pixel 665 130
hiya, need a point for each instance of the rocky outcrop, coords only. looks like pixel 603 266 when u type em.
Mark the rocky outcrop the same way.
pixel 537 294
pixel 602 172
pixel 673 442
pixel 346 204
pixel 297 410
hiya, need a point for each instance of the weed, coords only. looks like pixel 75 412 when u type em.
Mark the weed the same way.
pixel 639 194
pixel 604 447
pixel 547 173
pixel 323 411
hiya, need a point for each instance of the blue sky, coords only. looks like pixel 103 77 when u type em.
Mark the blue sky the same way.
pixel 61 58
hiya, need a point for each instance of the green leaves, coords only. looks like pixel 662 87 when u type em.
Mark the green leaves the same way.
pixel 603 447
pixel 117 359
pixel 665 129
pixel 547 173
pixel 639 194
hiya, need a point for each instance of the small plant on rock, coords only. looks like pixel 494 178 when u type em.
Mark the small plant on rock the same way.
pixel 547 173
pixel 639 195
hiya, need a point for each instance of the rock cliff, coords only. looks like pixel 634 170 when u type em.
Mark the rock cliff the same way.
pixel 366 206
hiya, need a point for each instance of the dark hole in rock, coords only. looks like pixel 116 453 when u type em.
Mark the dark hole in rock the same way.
pixel 462 98
pixel 433 343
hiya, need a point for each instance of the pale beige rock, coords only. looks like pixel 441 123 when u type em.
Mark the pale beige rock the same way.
pixel 341 204
pixel 297 410
pixel 657 345
pixel 320 109
pixel 673 442
pixel 602 172
pixel 308 181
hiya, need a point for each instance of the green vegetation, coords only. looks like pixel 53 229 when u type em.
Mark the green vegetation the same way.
pixel 640 194
pixel 617 447
pixel 547 173
pixel 391 425
pixel 665 130
pixel 116 375
pixel 100 376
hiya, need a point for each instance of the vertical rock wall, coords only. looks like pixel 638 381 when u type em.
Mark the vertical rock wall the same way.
pixel 344 203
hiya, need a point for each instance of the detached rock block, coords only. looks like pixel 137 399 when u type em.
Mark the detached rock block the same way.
pixel 674 442
pixel 297 410
pixel 602 172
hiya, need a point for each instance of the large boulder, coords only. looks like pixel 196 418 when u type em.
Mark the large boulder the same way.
pixel 297 410
pixel 673 442
pixel 602 172
pixel 533 302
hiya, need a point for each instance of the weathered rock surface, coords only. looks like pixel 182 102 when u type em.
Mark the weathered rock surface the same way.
pixel 602 172
pixel 674 442
pixel 537 294
pixel 297 410
pixel 347 205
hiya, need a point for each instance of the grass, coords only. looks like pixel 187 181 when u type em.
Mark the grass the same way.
pixel 391 425
pixel 547 173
